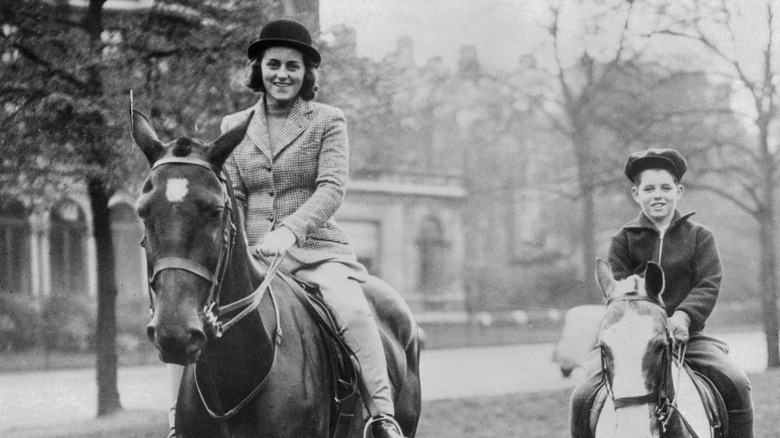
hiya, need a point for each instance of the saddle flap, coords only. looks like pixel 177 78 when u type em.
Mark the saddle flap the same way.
pixel 713 402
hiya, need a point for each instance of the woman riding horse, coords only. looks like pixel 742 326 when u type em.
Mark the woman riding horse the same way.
pixel 289 175
pixel 687 253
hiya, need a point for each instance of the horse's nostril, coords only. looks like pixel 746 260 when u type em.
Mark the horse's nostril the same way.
pixel 197 339
pixel 150 332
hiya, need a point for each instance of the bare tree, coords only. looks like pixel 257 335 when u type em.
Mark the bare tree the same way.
pixel 591 45
pixel 750 67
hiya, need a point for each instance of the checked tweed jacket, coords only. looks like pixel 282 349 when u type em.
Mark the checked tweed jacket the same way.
pixel 300 184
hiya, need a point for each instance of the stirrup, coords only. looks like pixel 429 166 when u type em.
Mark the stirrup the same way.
pixel 382 417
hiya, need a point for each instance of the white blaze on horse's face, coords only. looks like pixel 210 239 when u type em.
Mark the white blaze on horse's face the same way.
pixel 628 341
pixel 176 189
pixel 627 334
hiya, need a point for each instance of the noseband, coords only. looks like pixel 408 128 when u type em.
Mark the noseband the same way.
pixel 659 397
pixel 212 310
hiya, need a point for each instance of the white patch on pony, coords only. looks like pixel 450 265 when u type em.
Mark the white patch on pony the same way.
pixel 628 340
pixel 689 402
pixel 176 189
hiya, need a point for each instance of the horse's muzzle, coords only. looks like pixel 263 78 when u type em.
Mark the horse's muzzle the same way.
pixel 179 345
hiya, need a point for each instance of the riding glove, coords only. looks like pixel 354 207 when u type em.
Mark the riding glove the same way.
pixel 277 242
pixel 680 324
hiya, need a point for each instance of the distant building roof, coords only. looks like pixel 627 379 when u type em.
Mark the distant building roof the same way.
pixel 407 189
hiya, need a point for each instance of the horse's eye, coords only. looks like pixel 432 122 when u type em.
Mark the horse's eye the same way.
pixel 214 213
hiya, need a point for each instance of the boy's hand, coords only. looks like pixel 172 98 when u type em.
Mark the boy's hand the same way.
pixel 277 242
pixel 680 324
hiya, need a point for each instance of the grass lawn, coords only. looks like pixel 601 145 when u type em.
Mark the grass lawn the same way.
pixel 537 415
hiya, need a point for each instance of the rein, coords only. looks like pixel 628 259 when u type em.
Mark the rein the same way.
pixel 660 397
pixel 212 311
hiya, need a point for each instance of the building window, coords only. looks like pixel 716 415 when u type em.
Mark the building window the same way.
pixel 67 240
pixel 14 248
pixel 431 246
pixel 364 237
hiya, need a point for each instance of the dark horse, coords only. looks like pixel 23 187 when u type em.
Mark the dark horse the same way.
pixel 646 393
pixel 257 363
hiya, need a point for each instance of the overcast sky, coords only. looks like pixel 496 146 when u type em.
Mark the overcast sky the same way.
pixel 501 30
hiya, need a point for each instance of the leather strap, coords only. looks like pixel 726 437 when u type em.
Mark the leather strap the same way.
pixel 185 264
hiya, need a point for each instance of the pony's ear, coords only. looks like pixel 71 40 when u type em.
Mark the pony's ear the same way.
pixel 221 148
pixel 145 137
pixel 604 277
pixel 654 280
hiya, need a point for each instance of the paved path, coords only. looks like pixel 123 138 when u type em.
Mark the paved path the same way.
pixel 58 397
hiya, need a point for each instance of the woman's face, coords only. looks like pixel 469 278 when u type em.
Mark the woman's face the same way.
pixel 283 71
pixel 657 194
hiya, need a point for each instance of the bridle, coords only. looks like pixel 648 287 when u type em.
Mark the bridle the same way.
pixel 660 397
pixel 212 311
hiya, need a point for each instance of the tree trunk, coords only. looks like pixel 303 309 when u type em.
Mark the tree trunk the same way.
pixel 106 366
pixel 588 236
pixel 769 287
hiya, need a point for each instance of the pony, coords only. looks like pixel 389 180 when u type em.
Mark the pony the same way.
pixel 647 392
pixel 258 361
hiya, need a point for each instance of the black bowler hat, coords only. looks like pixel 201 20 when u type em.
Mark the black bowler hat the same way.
pixel 668 159
pixel 287 33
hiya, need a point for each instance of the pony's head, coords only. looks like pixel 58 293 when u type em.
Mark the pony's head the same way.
pixel 635 347
pixel 187 213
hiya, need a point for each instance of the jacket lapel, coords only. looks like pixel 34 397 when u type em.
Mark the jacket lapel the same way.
pixel 258 131
pixel 297 122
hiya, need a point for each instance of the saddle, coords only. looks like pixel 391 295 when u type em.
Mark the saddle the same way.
pixel 713 404
pixel 348 385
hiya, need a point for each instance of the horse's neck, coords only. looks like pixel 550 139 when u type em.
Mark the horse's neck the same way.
pixel 249 341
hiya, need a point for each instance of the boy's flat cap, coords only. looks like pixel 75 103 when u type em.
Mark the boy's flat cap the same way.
pixel 668 159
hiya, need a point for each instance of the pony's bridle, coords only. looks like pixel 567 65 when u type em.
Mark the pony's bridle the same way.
pixel 660 397
pixel 212 310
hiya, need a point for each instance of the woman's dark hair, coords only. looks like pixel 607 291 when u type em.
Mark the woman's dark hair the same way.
pixel 309 85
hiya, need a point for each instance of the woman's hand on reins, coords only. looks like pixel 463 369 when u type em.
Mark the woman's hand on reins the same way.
pixel 276 242
pixel 680 324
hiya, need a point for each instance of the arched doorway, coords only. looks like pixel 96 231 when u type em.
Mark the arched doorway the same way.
pixel 67 244
pixel 14 248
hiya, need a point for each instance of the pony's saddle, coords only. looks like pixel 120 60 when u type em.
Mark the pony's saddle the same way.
pixel 714 406
pixel 347 382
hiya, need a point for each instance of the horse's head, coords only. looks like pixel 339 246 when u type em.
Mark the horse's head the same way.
pixel 635 346
pixel 187 212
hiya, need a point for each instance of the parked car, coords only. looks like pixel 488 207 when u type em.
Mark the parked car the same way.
pixel 578 336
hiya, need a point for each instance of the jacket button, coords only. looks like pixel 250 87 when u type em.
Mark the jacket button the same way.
pixel 271 194
pixel 267 168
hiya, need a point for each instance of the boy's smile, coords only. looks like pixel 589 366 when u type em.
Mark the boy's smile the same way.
pixel 657 192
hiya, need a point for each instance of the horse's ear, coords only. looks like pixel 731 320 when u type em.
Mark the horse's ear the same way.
pixel 654 280
pixel 222 147
pixel 145 137
pixel 604 277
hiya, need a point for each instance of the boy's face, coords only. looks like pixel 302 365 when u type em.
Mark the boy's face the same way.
pixel 657 193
